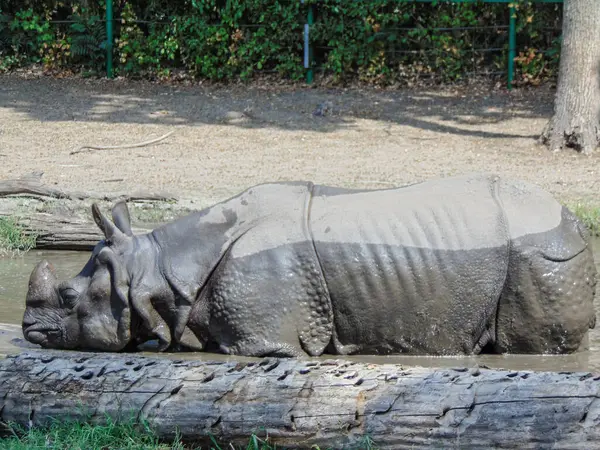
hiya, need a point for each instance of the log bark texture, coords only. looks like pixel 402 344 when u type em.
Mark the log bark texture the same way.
pixel 329 403
pixel 57 232
pixel 576 120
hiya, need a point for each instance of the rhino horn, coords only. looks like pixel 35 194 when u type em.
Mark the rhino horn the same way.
pixel 110 230
pixel 121 217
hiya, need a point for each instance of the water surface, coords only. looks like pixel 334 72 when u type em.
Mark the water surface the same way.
pixel 14 276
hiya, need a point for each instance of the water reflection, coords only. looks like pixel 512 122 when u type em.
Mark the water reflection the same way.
pixel 14 276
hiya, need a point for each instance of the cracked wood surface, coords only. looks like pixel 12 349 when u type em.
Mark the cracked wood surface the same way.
pixel 299 403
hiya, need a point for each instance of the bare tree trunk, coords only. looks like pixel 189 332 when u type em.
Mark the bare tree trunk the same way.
pixel 298 404
pixel 576 120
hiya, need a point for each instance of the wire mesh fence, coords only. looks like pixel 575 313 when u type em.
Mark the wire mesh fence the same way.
pixel 373 40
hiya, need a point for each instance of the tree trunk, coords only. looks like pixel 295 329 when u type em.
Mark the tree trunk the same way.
pixel 303 403
pixel 576 120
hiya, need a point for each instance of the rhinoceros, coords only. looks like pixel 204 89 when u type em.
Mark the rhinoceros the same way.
pixel 457 265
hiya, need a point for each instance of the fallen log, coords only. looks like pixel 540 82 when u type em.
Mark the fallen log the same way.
pixel 300 403
pixel 56 229
pixel 32 185
pixel 55 232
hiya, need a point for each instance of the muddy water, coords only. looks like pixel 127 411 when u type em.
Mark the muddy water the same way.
pixel 14 275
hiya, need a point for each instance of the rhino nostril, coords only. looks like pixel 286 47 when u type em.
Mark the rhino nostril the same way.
pixel 29 322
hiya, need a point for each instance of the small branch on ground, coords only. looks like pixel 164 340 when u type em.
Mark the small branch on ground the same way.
pixel 32 185
pixel 114 147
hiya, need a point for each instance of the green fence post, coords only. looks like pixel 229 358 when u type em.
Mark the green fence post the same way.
pixel 512 43
pixel 109 38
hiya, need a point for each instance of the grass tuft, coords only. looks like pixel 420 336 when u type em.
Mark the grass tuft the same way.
pixel 81 435
pixel 130 435
pixel 13 238
pixel 589 215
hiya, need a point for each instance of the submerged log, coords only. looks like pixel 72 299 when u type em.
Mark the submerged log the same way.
pixel 300 403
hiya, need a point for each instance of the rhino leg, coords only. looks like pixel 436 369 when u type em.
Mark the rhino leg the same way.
pixel 152 321
pixel 270 303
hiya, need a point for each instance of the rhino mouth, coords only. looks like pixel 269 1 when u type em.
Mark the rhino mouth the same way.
pixel 41 336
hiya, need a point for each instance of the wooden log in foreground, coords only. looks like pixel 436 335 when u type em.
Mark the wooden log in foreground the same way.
pixel 301 403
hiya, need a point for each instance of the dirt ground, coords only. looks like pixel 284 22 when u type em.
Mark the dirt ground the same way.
pixel 229 138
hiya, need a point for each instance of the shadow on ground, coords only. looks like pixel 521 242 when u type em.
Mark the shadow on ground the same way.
pixel 462 111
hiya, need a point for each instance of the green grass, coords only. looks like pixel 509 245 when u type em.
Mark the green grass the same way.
pixel 589 215
pixel 13 237
pixel 131 435
pixel 81 435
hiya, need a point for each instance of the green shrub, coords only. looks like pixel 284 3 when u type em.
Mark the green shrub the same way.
pixel 386 40
pixel 87 40
pixel 375 41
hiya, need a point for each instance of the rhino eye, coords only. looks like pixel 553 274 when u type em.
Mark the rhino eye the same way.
pixel 69 297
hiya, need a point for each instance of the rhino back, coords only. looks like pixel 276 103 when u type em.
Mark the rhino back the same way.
pixel 414 269
pixel 537 219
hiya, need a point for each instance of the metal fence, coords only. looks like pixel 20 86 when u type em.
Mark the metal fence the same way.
pixel 309 49
pixel 512 32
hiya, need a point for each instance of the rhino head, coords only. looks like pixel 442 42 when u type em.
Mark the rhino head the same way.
pixel 90 311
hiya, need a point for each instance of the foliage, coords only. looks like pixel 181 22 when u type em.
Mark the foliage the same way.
pixel 24 38
pixel 386 40
pixel 88 41
pixel 375 41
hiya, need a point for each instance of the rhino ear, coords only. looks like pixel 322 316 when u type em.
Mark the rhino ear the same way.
pixel 121 217
pixel 111 232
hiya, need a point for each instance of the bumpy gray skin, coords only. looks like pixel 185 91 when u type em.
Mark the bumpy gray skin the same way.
pixel 451 266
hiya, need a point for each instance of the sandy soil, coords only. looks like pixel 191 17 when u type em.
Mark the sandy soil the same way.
pixel 227 139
